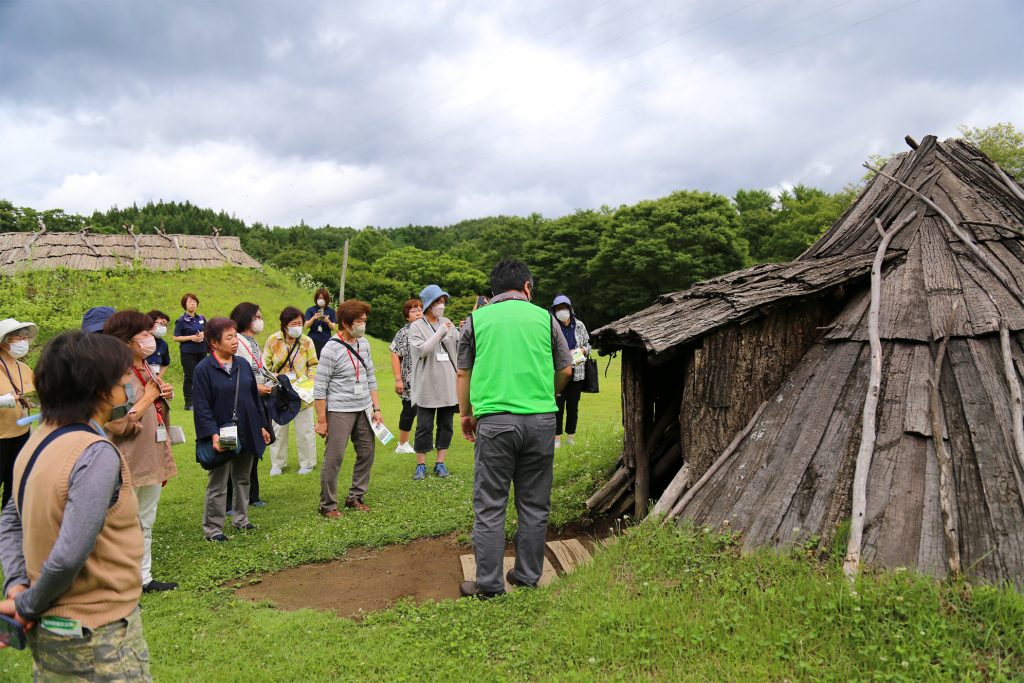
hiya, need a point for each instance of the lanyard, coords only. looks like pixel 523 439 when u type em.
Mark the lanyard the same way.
pixel 352 360
pixel 7 371
pixel 290 360
pixel 156 406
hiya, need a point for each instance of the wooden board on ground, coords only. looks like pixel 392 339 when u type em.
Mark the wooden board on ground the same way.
pixel 469 570
pixel 570 554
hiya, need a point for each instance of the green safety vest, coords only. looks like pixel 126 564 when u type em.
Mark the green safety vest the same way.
pixel 513 371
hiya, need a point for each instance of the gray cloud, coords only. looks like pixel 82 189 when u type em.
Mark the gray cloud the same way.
pixel 411 112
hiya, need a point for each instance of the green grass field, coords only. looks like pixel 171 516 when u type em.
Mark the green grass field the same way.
pixel 659 604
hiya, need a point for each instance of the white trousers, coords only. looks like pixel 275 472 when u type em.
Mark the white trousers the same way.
pixel 305 441
pixel 149 498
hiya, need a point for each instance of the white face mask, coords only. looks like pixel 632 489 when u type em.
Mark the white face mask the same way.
pixel 295 331
pixel 159 331
pixel 18 349
pixel 321 303
pixel 438 310
pixel 562 315
pixel 257 325
pixel 358 330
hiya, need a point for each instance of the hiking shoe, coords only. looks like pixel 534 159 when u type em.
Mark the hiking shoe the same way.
pixel 440 470
pixel 512 580
pixel 230 513
pixel 331 514
pixel 421 472
pixel 258 504
pixel 357 504
pixel 570 439
pixel 159 586
pixel 219 538
pixel 275 470
pixel 305 470
pixel 188 407
pixel 248 526
pixel 469 589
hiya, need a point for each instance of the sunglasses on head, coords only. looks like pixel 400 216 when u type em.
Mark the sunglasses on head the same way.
pixel 11 633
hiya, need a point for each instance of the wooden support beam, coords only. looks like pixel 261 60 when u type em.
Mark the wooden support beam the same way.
pixel 946 481
pixel 1016 408
pixel 851 566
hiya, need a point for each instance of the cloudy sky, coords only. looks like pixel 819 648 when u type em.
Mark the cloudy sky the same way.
pixel 433 111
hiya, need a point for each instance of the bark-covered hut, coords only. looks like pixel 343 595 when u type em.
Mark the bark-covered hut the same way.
pixel 746 399
pixel 85 251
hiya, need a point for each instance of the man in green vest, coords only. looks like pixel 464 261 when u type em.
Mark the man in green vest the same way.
pixel 512 360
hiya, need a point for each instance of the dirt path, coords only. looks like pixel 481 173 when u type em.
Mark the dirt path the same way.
pixel 367 580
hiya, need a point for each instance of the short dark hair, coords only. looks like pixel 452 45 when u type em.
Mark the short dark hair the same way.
pixel 157 314
pixel 216 327
pixel 349 310
pixel 322 292
pixel 508 275
pixel 289 314
pixel 187 296
pixel 243 314
pixel 77 371
pixel 126 324
pixel 409 305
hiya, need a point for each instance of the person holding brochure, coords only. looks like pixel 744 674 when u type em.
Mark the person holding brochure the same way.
pixel 433 342
pixel 347 406
pixel 15 389
pixel 291 353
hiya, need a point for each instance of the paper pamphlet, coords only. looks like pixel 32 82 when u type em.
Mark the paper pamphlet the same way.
pixel 382 433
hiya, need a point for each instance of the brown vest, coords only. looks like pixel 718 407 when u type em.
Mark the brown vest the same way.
pixel 110 583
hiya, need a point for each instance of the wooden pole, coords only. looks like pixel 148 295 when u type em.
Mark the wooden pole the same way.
pixel 344 271
pixel 1015 392
pixel 677 509
pixel 868 431
pixel 949 519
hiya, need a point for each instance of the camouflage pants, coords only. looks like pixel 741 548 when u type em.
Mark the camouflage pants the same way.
pixel 115 652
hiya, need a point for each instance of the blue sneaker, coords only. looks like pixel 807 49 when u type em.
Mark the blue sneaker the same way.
pixel 421 473
pixel 440 470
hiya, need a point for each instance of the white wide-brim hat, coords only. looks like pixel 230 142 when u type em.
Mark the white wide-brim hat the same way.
pixel 9 325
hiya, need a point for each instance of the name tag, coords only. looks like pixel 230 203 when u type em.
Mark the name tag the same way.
pixel 292 377
pixel 359 390
pixel 155 369
pixel 62 626
pixel 161 434
pixel 443 356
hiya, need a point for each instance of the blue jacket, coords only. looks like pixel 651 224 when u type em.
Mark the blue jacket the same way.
pixel 213 397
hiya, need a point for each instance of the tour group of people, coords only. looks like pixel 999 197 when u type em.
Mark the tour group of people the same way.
pixel 76 535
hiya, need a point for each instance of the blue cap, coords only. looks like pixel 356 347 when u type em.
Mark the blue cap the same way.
pixel 559 300
pixel 430 294
pixel 94 318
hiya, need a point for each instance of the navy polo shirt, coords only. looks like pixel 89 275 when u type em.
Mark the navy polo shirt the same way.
pixel 186 326
pixel 320 332
pixel 162 355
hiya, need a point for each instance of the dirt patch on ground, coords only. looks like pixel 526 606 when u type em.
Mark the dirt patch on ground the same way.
pixel 366 580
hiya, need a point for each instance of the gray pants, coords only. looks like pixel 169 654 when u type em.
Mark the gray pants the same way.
pixel 341 427
pixel 518 450
pixel 217 494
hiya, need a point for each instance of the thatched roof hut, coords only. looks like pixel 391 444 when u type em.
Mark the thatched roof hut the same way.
pixel 745 396
pixel 83 251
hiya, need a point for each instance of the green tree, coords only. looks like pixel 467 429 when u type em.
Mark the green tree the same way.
pixel 1003 143
pixel 804 214
pixel 758 213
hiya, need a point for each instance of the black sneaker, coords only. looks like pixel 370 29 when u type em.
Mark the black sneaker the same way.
pixel 159 586
pixel 219 538
pixel 188 407
pixel 469 589
pixel 513 581
pixel 248 526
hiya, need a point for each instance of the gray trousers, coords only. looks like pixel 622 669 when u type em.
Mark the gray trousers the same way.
pixel 517 450
pixel 215 510
pixel 341 427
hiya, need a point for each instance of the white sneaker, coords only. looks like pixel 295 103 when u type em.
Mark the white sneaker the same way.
pixel 405 448
pixel 558 442
pixel 305 470
pixel 275 470
pixel 570 440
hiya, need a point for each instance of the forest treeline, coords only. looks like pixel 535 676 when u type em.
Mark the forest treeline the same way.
pixel 610 261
